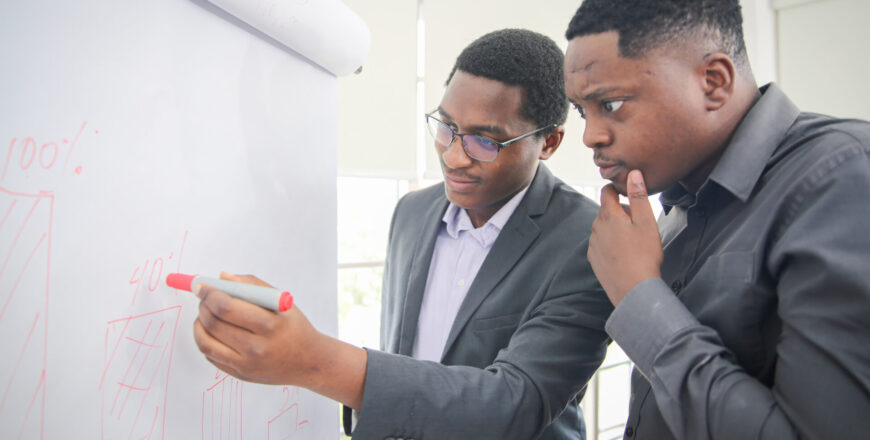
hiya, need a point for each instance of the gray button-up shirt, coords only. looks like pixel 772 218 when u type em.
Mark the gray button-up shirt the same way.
pixel 760 325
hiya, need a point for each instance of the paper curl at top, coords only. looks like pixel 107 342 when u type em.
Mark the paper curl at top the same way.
pixel 326 32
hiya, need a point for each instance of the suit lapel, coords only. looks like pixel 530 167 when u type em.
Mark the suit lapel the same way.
pixel 519 233
pixel 419 273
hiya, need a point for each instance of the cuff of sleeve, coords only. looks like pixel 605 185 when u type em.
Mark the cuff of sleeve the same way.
pixel 645 320
pixel 349 419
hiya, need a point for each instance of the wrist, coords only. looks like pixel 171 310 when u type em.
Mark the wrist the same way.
pixel 625 289
pixel 336 370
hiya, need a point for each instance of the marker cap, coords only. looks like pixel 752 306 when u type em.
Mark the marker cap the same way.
pixel 180 281
pixel 285 302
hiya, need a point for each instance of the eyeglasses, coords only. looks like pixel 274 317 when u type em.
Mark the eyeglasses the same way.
pixel 476 147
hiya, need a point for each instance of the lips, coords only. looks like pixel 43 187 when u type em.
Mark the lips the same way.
pixel 460 184
pixel 609 170
pixel 610 173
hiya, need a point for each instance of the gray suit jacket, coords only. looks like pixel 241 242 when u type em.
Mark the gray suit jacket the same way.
pixel 527 338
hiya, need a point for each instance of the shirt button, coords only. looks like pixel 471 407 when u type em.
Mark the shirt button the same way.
pixel 629 431
pixel 700 212
pixel 676 286
pixel 460 283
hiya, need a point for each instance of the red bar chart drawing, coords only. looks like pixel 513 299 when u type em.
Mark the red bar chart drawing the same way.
pixel 289 422
pixel 25 266
pixel 222 409
pixel 136 374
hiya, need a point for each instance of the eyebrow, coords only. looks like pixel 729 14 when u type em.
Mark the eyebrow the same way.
pixel 584 68
pixel 494 129
pixel 598 93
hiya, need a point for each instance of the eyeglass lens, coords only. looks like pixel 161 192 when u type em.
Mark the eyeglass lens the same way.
pixel 475 146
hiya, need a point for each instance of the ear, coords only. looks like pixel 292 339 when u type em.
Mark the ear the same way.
pixel 719 80
pixel 552 142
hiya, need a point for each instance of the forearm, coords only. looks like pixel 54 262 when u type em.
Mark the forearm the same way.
pixel 547 362
pixel 703 392
pixel 259 345
pixel 696 380
pixel 421 398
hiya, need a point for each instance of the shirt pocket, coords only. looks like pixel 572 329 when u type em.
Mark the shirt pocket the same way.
pixel 487 337
pixel 718 287
pixel 501 322
pixel 730 294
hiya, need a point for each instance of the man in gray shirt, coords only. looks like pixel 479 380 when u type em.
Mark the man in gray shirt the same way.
pixel 749 316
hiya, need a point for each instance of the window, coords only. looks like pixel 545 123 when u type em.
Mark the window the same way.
pixel 605 405
pixel 365 206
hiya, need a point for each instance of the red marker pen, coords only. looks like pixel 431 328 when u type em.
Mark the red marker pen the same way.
pixel 266 297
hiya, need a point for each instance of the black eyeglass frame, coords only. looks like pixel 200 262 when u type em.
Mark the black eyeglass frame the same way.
pixel 498 144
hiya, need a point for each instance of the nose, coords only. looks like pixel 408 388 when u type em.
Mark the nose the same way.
pixel 596 134
pixel 454 155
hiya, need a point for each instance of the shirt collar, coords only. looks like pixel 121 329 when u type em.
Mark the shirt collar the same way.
pixel 456 220
pixel 749 149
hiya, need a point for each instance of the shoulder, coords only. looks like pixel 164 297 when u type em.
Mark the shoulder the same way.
pixel 415 207
pixel 415 201
pixel 425 195
pixel 565 195
pixel 820 158
pixel 568 205
pixel 814 124
pixel 560 219
pixel 816 139
pixel 814 147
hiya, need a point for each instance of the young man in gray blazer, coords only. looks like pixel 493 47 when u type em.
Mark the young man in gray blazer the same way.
pixel 492 320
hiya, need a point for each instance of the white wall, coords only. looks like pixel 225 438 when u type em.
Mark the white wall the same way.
pixel 822 46
pixel 383 96
pixel 812 48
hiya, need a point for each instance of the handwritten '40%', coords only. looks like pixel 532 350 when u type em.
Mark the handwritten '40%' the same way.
pixel 151 273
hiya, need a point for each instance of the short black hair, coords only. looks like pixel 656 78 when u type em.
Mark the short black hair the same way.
pixel 523 58
pixel 643 24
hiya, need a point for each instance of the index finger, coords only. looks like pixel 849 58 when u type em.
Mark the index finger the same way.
pixel 638 199
pixel 235 311
pixel 247 279
pixel 609 197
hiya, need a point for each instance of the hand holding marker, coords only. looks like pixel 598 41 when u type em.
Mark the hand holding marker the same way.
pixel 266 297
